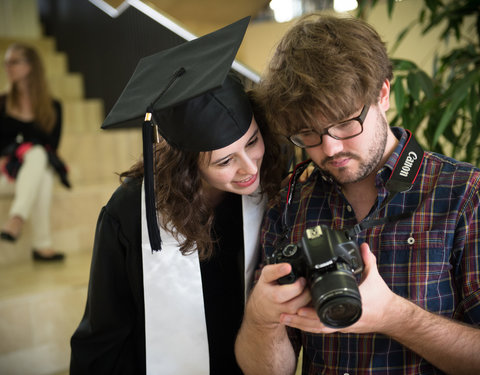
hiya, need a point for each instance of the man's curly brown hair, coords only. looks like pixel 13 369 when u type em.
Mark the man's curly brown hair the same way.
pixel 323 69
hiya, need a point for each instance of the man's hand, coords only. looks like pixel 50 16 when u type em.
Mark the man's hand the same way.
pixel 269 299
pixel 377 299
pixel 262 345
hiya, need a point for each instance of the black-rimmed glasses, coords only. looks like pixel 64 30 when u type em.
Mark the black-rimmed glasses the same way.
pixel 343 130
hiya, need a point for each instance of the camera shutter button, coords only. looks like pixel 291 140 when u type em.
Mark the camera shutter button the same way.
pixel 411 240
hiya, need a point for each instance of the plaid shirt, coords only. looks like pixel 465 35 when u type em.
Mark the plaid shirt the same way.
pixel 431 258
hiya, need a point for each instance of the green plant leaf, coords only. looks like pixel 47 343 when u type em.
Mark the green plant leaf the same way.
pixel 443 105
pixel 432 5
pixel 413 85
pixel 401 64
pixel 426 83
pixel 390 6
pixel 457 94
pixel 399 93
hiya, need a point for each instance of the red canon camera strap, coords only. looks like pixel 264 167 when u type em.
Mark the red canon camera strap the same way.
pixel 404 174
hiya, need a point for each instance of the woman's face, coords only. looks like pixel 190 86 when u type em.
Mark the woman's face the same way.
pixel 235 168
pixel 16 66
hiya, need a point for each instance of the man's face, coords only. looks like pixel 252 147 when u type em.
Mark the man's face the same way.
pixel 352 160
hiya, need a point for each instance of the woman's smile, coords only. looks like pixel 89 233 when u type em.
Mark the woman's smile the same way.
pixel 246 181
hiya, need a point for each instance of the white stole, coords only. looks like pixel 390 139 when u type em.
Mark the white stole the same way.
pixel 176 341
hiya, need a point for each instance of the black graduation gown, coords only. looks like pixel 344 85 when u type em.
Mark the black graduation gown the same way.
pixel 110 339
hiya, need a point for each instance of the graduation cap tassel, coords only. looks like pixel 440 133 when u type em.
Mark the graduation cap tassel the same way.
pixel 150 204
pixel 149 138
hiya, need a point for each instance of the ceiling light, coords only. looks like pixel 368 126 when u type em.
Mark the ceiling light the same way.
pixel 344 5
pixel 285 10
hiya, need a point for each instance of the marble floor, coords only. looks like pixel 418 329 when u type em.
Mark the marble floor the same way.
pixel 40 307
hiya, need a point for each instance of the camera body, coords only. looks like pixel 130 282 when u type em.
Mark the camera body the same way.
pixel 330 261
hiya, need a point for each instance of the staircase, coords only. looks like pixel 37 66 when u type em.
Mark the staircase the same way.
pixel 41 304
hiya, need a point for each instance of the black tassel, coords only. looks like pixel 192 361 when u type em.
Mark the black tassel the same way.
pixel 150 205
pixel 149 166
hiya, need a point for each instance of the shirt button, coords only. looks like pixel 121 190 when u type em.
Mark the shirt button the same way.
pixel 411 240
pixel 349 209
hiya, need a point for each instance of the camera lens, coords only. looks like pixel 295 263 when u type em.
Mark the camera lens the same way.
pixel 340 312
pixel 336 298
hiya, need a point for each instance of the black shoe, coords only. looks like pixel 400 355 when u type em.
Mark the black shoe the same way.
pixel 43 258
pixel 7 236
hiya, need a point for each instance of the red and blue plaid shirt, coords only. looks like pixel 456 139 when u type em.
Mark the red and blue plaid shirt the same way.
pixel 431 258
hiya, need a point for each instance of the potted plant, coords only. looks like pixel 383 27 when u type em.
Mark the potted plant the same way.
pixel 443 107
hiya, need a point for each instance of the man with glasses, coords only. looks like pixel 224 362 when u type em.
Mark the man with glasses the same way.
pixel 413 214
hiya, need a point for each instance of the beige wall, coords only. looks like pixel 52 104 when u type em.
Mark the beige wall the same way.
pixel 259 43
pixel 262 37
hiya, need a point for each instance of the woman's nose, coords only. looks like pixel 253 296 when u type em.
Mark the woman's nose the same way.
pixel 249 165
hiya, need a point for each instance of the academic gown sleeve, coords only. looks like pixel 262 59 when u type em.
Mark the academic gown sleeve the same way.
pixel 110 338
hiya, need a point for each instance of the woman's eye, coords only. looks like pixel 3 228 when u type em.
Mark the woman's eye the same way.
pixel 224 163
pixel 252 142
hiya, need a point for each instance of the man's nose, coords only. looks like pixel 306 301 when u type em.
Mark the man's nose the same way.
pixel 331 146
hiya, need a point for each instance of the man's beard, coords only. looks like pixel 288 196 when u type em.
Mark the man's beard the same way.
pixel 366 165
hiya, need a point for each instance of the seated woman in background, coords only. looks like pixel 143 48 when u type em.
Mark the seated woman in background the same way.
pixel 30 128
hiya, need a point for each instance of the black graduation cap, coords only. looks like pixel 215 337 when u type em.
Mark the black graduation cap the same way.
pixel 187 95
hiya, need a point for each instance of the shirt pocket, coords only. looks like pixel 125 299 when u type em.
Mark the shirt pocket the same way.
pixel 416 266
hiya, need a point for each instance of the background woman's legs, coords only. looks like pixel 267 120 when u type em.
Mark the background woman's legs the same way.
pixel 33 197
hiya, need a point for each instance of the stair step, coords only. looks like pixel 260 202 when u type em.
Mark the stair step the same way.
pixel 68 86
pixel 73 221
pixel 82 115
pixel 40 307
pixel 43 44
pixel 96 157
pixel 19 19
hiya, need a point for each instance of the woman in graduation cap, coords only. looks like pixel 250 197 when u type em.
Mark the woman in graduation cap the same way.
pixel 177 244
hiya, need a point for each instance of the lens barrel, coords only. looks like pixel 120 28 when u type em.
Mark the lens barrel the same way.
pixel 336 298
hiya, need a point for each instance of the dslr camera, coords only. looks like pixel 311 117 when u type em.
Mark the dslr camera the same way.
pixel 331 263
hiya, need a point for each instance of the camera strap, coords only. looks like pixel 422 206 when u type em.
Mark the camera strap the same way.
pixel 404 174
pixel 297 172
